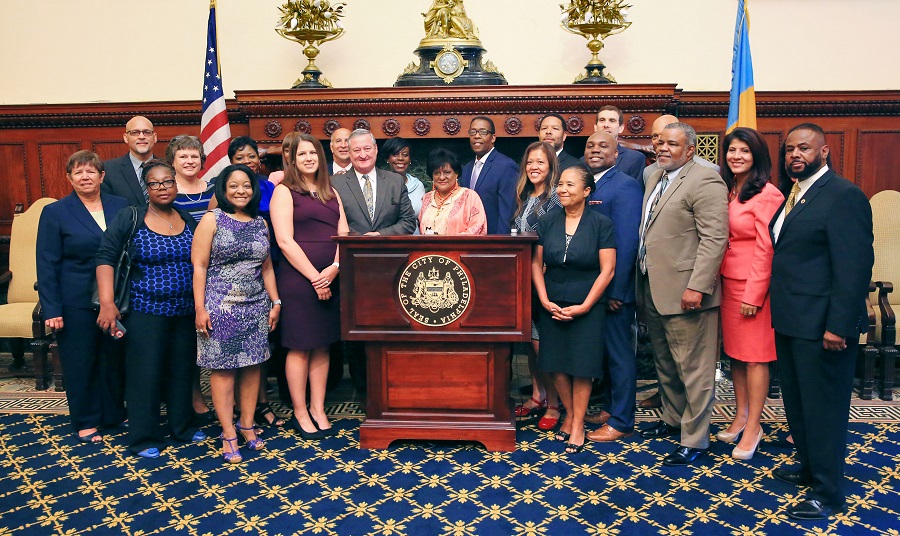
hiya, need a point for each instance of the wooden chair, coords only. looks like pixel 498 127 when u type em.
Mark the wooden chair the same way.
pixel 20 317
pixel 886 271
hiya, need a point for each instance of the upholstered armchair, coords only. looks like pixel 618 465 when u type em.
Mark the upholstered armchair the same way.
pixel 885 273
pixel 20 317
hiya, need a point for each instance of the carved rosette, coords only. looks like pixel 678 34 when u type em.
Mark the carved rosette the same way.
pixel 575 125
pixel 272 129
pixel 302 126
pixel 361 124
pixel 537 124
pixel 513 126
pixel 421 126
pixel 452 126
pixel 636 124
pixel 391 127
pixel 330 126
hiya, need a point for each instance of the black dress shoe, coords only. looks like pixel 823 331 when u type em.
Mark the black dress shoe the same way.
pixel 792 477
pixel 811 509
pixel 683 456
pixel 658 430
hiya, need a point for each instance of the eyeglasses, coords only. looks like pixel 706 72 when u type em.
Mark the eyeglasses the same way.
pixel 482 131
pixel 136 133
pixel 164 185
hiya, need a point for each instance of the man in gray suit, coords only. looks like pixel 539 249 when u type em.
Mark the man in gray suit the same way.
pixel 123 174
pixel 684 233
pixel 375 200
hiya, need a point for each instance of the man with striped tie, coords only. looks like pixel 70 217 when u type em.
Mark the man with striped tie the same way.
pixel 684 233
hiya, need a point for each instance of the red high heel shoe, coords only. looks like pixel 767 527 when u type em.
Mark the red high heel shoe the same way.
pixel 549 423
pixel 523 411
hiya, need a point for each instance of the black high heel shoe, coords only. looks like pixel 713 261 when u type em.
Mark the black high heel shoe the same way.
pixel 294 425
pixel 327 432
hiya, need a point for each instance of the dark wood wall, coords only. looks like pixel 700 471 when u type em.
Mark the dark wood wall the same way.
pixel 36 140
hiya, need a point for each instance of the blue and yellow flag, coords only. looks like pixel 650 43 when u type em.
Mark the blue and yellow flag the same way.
pixel 742 104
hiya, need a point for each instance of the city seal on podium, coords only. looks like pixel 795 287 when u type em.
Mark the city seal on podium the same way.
pixel 434 290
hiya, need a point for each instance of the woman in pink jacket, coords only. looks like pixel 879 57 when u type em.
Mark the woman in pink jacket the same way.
pixel 746 269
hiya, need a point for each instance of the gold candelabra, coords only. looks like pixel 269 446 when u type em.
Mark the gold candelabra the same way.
pixel 595 20
pixel 312 22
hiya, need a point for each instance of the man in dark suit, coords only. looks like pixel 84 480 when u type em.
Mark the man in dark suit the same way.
pixel 629 162
pixel 552 130
pixel 820 278
pixel 375 200
pixel 618 197
pixel 123 174
pixel 492 175
pixel 684 230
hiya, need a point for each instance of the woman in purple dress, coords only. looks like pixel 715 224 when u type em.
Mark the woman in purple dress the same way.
pixel 306 212
pixel 235 300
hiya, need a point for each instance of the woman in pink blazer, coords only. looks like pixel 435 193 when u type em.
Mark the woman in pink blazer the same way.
pixel 746 269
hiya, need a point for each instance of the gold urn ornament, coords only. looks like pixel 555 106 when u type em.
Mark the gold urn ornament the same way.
pixel 311 22
pixel 595 20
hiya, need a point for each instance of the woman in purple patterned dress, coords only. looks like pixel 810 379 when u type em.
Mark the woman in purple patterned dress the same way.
pixel 236 302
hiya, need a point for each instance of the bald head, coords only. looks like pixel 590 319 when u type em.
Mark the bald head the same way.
pixel 601 151
pixel 140 137
pixel 659 125
pixel 340 146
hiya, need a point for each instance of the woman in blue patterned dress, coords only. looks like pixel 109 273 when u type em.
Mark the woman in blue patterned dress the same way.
pixel 160 343
pixel 235 300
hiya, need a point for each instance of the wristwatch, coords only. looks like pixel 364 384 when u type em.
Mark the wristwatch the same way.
pixel 276 302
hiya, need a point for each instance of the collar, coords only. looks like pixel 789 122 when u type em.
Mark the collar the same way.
pixel 808 182
pixel 601 174
pixel 484 158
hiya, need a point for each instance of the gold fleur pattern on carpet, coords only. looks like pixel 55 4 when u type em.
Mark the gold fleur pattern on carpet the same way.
pixel 51 485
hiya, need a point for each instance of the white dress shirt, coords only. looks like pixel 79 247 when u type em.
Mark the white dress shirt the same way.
pixel 805 185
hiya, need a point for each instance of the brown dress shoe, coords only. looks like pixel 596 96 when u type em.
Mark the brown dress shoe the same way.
pixel 652 402
pixel 608 433
pixel 597 418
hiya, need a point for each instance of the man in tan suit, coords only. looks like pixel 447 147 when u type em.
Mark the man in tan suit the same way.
pixel 684 233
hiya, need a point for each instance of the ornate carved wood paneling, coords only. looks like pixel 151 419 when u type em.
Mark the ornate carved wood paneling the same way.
pixel 36 140
pixel 53 158
pixel 13 164
pixel 878 160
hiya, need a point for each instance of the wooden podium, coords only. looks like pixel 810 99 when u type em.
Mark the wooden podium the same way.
pixel 438 315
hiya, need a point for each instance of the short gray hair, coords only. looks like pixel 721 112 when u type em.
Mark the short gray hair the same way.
pixel 688 130
pixel 362 132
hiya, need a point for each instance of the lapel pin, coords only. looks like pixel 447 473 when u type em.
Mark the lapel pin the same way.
pixel 802 201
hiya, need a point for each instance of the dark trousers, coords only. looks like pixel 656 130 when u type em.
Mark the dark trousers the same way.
pixel 622 365
pixel 92 363
pixel 816 386
pixel 159 349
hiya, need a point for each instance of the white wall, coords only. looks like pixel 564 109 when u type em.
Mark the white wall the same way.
pixel 57 51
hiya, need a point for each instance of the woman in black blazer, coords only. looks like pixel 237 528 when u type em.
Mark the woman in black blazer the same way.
pixel 577 247
pixel 69 235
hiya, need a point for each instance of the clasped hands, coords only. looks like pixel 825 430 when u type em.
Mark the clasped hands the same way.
pixel 565 314
pixel 322 282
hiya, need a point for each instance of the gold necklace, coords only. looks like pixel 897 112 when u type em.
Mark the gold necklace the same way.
pixel 153 211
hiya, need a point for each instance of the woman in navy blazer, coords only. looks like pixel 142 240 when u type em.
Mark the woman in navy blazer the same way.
pixel 69 235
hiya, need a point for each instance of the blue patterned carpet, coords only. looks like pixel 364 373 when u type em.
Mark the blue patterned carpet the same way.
pixel 50 485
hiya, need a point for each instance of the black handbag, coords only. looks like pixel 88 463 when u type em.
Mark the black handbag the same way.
pixel 121 273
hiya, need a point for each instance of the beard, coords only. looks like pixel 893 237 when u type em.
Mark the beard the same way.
pixel 807 171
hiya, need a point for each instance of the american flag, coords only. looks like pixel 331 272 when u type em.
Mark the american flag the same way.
pixel 215 133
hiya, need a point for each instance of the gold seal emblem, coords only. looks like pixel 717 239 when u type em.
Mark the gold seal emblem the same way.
pixel 434 290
